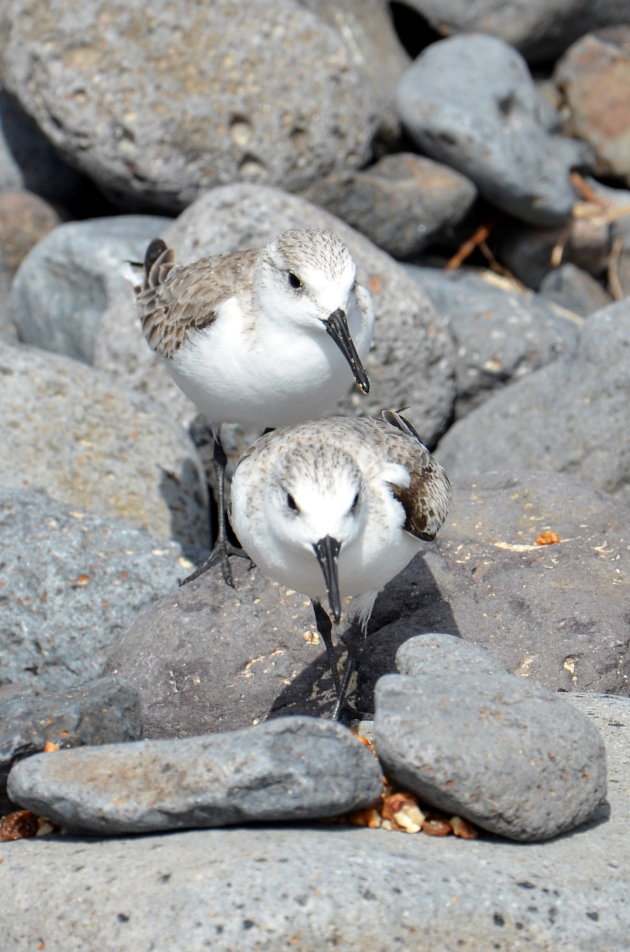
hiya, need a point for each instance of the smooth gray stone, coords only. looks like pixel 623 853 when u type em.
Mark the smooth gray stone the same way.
pixel 500 334
pixel 540 29
pixel 574 289
pixel 65 284
pixel 556 614
pixel 289 769
pixel 71 581
pixel 105 711
pixel 471 103
pixel 323 887
pixel 571 416
pixel 447 654
pixel 98 447
pixel 506 754
pixel 190 97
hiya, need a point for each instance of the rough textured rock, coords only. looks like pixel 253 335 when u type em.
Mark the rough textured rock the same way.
pixel 571 416
pixel 291 769
pixel 470 102
pixel 24 220
pixel 68 280
pixel 540 29
pixel 575 290
pixel 71 432
pixel 106 711
pixel 71 582
pixel 554 613
pixel 401 203
pixel 500 334
pixel 262 888
pixel 594 77
pixel 264 91
pixel 506 754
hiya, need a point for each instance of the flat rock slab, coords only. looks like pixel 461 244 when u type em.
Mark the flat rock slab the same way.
pixel 289 769
pixel 313 888
pixel 571 416
pixel 105 711
pixel 506 754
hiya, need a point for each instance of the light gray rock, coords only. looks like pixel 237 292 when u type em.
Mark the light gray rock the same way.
pixel 575 290
pixel 401 203
pixel 297 768
pixel 70 431
pixel 157 104
pixel 105 711
pixel 471 103
pixel 447 655
pixel 312 888
pixel 71 582
pixel 500 334
pixel 506 754
pixel 570 417
pixel 540 29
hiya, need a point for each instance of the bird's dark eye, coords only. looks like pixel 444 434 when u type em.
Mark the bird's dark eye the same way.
pixel 355 502
pixel 291 503
pixel 294 281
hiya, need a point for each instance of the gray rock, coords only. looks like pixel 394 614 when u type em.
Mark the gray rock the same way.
pixel 291 769
pixel 411 361
pixel 65 284
pixel 594 78
pixel 106 711
pixel 262 91
pixel 570 417
pixel 401 203
pixel 95 446
pixel 540 29
pixel 313 888
pixel 470 102
pixel 500 334
pixel 71 582
pixel 447 655
pixel 506 754
pixel 209 658
pixel 556 614
pixel 575 290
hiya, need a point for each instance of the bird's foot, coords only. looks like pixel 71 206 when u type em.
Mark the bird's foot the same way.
pixel 220 554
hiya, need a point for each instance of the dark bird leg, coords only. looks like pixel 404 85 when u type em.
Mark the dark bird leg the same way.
pixel 223 548
pixel 353 639
pixel 324 627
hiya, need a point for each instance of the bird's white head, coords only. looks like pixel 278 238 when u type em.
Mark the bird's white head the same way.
pixel 308 277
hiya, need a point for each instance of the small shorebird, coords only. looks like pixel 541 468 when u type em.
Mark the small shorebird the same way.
pixel 262 337
pixel 337 507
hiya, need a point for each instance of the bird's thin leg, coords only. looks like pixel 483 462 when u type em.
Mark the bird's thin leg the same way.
pixel 223 548
pixel 353 639
pixel 324 627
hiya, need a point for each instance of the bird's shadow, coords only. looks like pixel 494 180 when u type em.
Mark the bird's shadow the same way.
pixel 411 604
pixel 183 496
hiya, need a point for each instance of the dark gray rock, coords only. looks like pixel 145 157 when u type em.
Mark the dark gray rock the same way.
pixel 209 658
pixel 265 91
pixel 65 284
pixel 411 360
pixel 540 29
pixel 500 334
pixel 105 711
pixel 594 78
pixel 68 430
pixel 570 417
pixel 291 769
pixel 506 754
pixel 575 290
pixel 71 582
pixel 263 888
pixel 555 614
pixel 401 203
pixel 470 102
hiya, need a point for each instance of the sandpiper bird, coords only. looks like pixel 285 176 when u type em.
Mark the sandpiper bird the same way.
pixel 262 337
pixel 337 507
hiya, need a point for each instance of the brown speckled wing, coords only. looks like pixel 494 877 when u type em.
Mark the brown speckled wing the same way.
pixel 175 300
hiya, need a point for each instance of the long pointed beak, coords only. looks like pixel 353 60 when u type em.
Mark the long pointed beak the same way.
pixel 337 326
pixel 327 551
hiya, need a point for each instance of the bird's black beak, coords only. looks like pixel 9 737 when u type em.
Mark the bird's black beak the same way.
pixel 337 326
pixel 327 551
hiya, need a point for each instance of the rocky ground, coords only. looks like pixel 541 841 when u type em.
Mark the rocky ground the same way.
pixel 168 776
